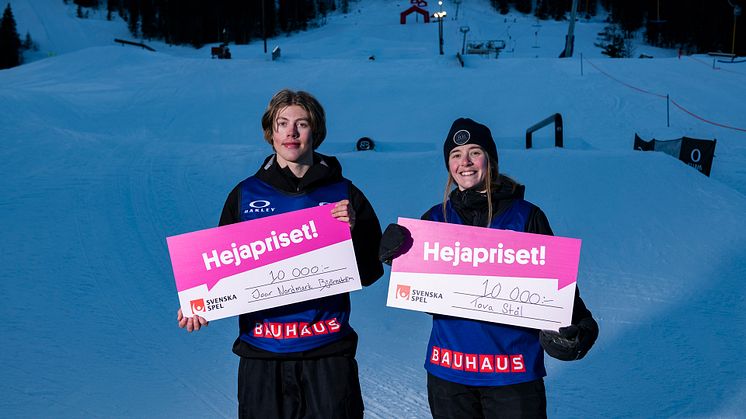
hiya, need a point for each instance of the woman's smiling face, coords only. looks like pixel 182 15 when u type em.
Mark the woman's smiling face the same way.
pixel 467 164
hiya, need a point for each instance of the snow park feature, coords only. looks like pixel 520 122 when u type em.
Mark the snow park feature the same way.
pixel 107 150
pixel 417 10
pixel 135 44
pixel 555 119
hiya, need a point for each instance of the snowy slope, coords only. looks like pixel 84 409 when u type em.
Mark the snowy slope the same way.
pixel 53 26
pixel 108 150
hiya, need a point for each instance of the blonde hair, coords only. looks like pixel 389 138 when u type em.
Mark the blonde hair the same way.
pixel 493 182
pixel 287 97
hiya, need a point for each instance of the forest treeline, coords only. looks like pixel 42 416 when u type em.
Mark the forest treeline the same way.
pixel 694 26
pixel 200 22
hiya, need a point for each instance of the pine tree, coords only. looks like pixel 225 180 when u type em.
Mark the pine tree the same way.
pixel 523 6
pixel 588 8
pixel 10 42
pixel 29 44
pixel 148 20
pixel 558 8
pixel 613 42
pixel 111 7
pixel 503 7
pixel 134 17
pixel 87 3
pixel 542 10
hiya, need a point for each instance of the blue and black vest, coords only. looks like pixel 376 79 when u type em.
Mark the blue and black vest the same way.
pixel 480 353
pixel 308 324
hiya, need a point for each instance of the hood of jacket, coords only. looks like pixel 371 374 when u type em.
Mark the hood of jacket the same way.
pixel 323 171
pixel 471 205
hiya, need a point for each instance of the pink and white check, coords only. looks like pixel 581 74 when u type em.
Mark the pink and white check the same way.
pixel 486 274
pixel 264 263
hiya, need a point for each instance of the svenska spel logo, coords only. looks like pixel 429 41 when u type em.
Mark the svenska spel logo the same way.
pixel 198 305
pixel 402 291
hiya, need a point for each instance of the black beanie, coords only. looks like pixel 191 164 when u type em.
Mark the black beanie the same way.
pixel 467 131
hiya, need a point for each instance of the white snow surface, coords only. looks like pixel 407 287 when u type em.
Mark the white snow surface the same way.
pixel 108 149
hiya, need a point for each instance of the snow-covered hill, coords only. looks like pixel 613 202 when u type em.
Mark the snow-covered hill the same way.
pixel 107 150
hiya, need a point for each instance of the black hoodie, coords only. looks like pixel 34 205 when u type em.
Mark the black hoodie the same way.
pixel 366 237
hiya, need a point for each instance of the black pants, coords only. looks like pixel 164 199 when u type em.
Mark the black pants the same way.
pixel 293 389
pixel 453 400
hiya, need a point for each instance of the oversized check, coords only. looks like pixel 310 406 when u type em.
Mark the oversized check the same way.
pixel 499 276
pixel 268 262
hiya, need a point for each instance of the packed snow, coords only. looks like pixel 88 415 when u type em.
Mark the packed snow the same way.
pixel 109 149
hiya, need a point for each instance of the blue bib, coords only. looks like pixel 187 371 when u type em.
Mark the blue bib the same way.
pixel 308 324
pixel 480 353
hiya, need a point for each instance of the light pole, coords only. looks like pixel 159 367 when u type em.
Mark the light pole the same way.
pixel 736 13
pixel 463 30
pixel 440 15
pixel 264 29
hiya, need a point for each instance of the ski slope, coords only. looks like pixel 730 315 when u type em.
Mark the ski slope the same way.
pixel 108 150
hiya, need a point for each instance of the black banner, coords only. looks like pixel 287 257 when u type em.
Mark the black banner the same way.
pixel 643 145
pixel 698 153
pixel 694 152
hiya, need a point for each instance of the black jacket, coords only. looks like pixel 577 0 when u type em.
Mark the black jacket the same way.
pixel 366 237
pixel 471 206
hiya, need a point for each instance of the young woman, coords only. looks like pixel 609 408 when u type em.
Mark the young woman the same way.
pixel 309 376
pixel 485 198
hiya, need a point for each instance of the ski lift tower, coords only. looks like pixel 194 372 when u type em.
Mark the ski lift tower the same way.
pixel 457 3
pixel 570 38
pixel 658 22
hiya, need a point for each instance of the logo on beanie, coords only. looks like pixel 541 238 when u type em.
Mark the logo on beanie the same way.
pixel 461 137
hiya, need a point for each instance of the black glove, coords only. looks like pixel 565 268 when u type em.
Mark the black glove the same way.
pixel 396 240
pixel 572 342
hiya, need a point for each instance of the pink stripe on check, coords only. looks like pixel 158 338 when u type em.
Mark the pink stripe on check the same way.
pixel 314 228
pixel 436 244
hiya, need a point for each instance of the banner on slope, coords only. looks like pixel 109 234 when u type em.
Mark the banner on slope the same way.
pixel 693 152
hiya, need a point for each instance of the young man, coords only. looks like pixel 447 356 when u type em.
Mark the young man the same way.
pixel 315 375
